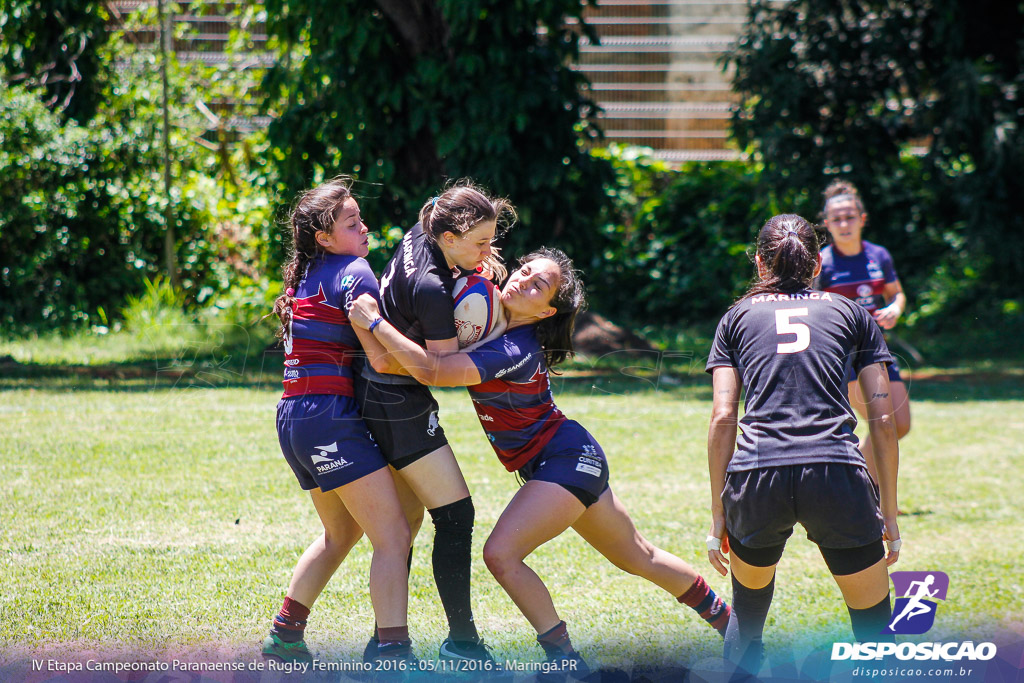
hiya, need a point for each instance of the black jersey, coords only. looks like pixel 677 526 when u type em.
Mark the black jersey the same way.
pixel 793 352
pixel 416 295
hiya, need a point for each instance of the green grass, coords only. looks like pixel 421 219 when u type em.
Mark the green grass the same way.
pixel 151 512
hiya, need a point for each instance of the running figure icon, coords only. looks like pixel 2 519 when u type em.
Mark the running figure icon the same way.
pixel 917 592
pixel 918 595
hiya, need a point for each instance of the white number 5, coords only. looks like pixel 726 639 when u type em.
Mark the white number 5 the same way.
pixel 783 325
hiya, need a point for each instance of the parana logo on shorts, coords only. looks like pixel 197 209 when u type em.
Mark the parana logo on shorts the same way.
pixel 432 423
pixel 914 613
pixel 325 462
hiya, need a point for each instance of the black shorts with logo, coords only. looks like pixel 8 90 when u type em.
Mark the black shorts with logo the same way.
pixel 837 504
pixel 403 419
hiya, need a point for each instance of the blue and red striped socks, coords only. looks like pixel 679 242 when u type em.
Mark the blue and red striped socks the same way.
pixel 707 604
pixel 556 641
pixel 290 623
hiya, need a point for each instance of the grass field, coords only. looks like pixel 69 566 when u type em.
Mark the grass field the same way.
pixel 153 514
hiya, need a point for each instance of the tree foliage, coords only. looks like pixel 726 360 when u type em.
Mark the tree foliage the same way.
pixel 917 103
pixel 82 204
pixel 408 94
pixel 54 46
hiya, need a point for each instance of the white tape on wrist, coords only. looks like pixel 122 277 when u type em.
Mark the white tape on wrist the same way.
pixel 894 546
pixel 713 543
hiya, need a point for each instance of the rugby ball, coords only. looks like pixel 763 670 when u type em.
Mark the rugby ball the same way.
pixel 477 307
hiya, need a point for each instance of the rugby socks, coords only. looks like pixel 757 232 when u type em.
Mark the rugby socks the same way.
pixel 290 623
pixel 394 641
pixel 453 554
pixel 743 644
pixel 869 623
pixel 556 642
pixel 408 569
pixel 707 604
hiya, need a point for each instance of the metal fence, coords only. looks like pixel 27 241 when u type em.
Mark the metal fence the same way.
pixel 655 71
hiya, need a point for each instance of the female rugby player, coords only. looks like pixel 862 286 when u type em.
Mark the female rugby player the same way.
pixel 796 458
pixel 322 436
pixel 863 272
pixel 454 234
pixel 565 470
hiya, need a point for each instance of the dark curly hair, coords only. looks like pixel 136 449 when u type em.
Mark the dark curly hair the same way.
pixel 570 299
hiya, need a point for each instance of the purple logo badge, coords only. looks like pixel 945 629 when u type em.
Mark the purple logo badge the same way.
pixel 916 596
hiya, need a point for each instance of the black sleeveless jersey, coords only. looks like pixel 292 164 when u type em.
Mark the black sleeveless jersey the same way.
pixel 416 295
pixel 416 290
pixel 793 353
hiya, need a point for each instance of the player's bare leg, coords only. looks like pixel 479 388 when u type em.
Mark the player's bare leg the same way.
pixel 324 555
pixel 538 512
pixel 867 598
pixel 373 503
pixel 607 526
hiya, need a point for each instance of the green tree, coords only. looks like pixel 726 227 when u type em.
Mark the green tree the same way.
pixel 407 94
pixel 54 45
pixel 918 104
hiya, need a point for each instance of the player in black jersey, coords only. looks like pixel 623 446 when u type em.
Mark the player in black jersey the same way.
pixel 453 236
pixel 796 458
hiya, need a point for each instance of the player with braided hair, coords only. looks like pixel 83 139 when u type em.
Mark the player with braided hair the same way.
pixel 322 436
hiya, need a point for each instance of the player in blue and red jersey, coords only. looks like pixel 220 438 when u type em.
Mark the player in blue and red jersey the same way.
pixel 796 459
pixel 863 272
pixel 564 469
pixel 322 436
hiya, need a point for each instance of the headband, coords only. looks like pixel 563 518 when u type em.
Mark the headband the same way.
pixel 842 197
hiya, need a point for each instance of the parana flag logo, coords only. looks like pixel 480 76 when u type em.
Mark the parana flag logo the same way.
pixel 917 596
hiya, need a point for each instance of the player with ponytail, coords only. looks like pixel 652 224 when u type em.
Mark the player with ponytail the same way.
pixel 564 468
pixel 454 236
pixel 321 434
pixel 864 272
pixel 796 458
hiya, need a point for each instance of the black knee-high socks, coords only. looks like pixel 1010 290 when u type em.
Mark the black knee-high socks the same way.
pixel 453 553
pixel 743 644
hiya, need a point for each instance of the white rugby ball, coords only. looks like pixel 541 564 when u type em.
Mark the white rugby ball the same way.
pixel 477 308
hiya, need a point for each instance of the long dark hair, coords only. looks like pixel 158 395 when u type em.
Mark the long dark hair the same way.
pixel 463 206
pixel 788 248
pixel 314 210
pixel 555 332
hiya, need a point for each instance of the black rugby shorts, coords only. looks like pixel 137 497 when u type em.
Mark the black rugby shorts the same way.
pixel 837 504
pixel 403 419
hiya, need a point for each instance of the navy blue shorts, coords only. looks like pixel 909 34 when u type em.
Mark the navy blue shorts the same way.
pixel 837 504
pixel 325 441
pixel 573 460
pixel 892 368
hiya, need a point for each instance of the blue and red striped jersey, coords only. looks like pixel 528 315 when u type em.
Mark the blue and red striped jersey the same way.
pixel 860 278
pixel 321 344
pixel 513 400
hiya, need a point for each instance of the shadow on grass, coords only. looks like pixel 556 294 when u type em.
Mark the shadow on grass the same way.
pixel 951 386
pixel 677 375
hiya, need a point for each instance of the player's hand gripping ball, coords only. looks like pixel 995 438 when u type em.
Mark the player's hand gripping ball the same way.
pixel 477 308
